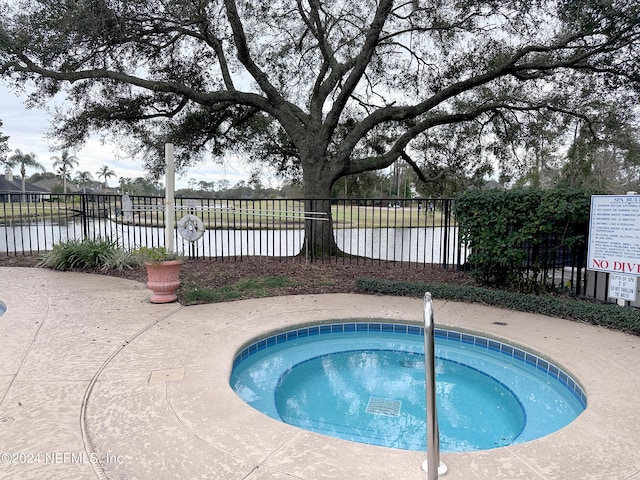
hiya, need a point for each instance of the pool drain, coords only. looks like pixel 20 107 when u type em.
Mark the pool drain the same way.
pixel 384 406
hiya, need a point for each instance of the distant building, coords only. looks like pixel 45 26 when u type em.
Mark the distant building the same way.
pixel 50 184
pixel 492 184
pixel 11 190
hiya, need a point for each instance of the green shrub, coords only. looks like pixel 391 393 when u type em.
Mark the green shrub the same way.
pixel 514 235
pixel 121 259
pixel 154 254
pixel 79 255
pixel 608 315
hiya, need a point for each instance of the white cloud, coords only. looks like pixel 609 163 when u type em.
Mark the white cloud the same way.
pixel 27 129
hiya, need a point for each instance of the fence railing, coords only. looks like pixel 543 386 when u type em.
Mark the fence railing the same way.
pixel 409 232
pixel 403 233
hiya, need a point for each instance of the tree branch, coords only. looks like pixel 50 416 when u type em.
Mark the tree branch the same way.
pixel 359 65
pixel 244 55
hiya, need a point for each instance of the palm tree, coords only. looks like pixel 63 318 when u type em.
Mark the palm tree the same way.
pixel 65 163
pixel 63 175
pixel 106 173
pixel 24 160
pixel 83 178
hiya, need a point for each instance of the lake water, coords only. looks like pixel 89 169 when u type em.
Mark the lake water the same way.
pixel 420 245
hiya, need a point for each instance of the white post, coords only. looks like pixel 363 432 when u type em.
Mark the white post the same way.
pixel 169 199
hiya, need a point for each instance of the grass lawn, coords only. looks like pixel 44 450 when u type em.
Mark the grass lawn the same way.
pixel 224 214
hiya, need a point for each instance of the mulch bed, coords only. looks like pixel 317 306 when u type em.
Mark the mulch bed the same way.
pixel 335 275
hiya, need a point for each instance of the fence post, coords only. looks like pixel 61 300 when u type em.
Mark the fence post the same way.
pixel 85 215
pixel 444 248
pixel 309 232
pixel 580 261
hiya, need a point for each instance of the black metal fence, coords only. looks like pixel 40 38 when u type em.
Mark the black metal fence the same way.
pixel 404 233
pixel 414 232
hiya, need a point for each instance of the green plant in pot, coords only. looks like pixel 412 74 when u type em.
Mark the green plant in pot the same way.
pixel 163 273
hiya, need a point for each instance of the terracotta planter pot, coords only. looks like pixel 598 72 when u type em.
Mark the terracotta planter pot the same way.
pixel 163 279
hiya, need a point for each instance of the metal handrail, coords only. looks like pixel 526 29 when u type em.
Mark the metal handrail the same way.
pixel 432 465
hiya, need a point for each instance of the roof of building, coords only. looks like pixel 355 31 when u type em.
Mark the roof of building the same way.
pixel 15 186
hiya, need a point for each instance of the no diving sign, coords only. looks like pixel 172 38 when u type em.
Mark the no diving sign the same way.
pixel 614 242
pixel 614 234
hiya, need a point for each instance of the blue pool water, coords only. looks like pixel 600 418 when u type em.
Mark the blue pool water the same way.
pixel 365 382
pixel 3 308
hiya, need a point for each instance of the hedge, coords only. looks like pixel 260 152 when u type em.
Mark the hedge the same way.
pixel 515 235
pixel 606 315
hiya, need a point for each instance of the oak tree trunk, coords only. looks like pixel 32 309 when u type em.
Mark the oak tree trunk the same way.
pixel 319 240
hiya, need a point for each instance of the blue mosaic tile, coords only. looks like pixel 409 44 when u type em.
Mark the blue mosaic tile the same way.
pixel 399 328
pixel 531 359
pixel 453 335
pixel 466 338
pixel 543 365
pixel 563 378
pixel 415 330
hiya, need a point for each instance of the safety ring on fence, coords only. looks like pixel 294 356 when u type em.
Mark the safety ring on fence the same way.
pixel 190 228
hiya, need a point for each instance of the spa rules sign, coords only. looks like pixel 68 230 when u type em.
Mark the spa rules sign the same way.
pixel 614 238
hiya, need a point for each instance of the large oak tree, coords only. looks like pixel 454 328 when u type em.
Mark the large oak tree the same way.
pixel 334 88
pixel 4 145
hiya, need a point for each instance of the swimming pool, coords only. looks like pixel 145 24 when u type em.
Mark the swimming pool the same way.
pixel 364 381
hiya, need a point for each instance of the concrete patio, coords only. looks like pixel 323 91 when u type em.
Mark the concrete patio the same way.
pixel 96 382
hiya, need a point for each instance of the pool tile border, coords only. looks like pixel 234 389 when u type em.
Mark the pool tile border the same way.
pixel 546 367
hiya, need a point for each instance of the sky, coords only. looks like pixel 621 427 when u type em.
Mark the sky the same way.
pixel 27 131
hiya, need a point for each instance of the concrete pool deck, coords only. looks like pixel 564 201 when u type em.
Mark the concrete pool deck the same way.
pixel 96 382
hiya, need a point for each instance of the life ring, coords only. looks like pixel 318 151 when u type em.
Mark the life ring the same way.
pixel 190 228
